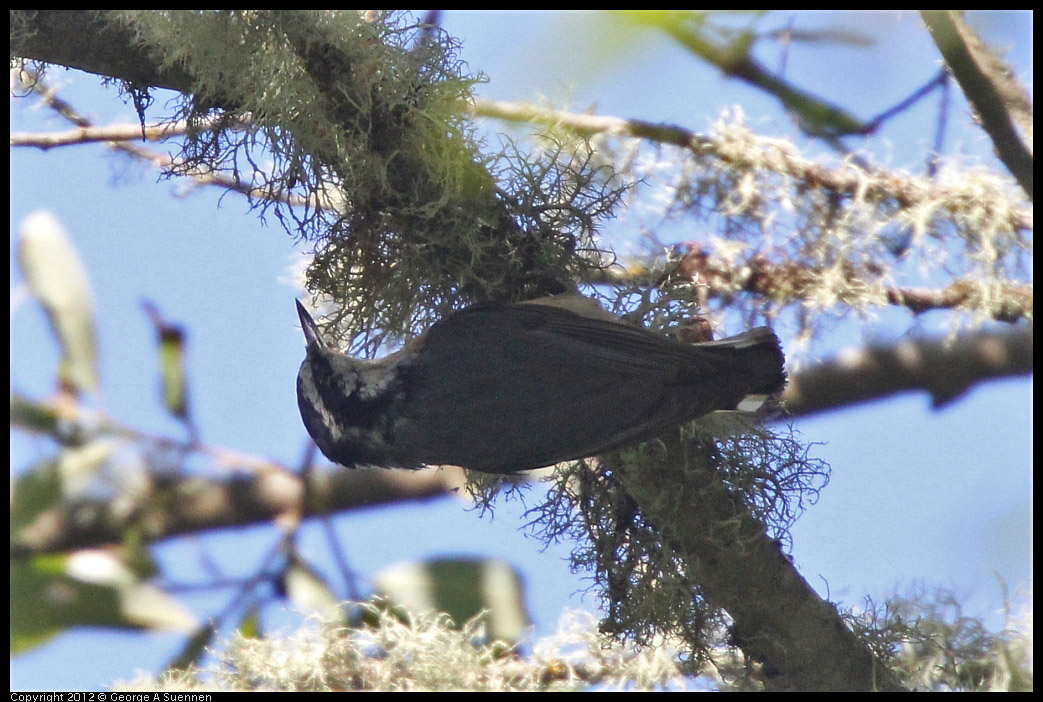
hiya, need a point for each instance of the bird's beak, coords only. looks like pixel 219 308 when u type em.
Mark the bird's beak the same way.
pixel 312 335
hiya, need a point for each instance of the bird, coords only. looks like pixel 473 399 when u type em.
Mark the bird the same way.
pixel 509 387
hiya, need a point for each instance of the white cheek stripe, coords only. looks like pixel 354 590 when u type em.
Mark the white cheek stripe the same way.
pixel 337 428
pixel 331 422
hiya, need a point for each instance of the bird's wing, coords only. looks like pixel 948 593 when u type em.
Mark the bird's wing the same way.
pixel 613 346
pixel 520 386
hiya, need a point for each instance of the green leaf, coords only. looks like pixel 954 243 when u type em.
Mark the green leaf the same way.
pixel 463 588
pixel 309 591
pixel 173 377
pixel 250 626
pixel 57 278
pixel 34 416
pixel 35 491
pixel 54 592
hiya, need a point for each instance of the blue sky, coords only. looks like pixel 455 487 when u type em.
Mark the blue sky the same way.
pixel 916 497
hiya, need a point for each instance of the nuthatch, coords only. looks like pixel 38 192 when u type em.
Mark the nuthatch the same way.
pixel 501 388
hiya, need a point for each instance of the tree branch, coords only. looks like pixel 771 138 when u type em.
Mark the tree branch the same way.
pixel 815 115
pixel 990 88
pixel 1012 302
pixel 257 490
pixel 945 370
pixel 90 134
pixel 780 622
pixel 905 190
pixel 120 136
pixel 191 505
pixel 89 41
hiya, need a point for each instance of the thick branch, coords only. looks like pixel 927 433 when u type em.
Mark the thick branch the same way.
pixel 89 41
pixel 779 621
pixel 194 504
pixel 257 490
pixel 945 370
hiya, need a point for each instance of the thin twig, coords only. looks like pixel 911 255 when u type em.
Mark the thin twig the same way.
pixel 118 137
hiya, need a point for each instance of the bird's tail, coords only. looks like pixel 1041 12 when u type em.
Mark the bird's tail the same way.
pixel 762 364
